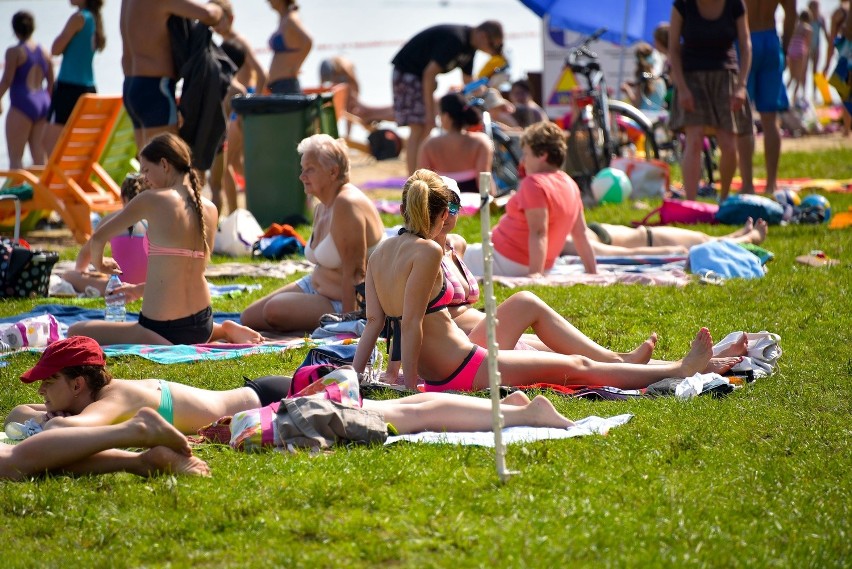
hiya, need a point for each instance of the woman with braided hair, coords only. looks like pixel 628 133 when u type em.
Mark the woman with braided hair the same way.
pixel 181 227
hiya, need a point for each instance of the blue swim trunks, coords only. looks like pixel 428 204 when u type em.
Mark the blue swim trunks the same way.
pixel 150 101
pixel 765 80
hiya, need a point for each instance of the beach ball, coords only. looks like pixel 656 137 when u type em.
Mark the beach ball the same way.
pixel 814 208
pixel 611 185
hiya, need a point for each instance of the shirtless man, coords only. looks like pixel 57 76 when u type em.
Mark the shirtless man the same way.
pixel 766 86
pixel 149 73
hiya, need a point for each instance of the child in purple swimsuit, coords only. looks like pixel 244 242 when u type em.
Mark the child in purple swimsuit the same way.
pixel 28 76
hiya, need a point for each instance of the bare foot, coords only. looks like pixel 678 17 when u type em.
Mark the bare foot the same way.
pixel 541 413
pixel 738 348
pixel 699 354
pixel 163 460
pixel 238 334
pixel 642 354
pixel 155 431
pixel 516 398
pixel 721 365
pixel 761 228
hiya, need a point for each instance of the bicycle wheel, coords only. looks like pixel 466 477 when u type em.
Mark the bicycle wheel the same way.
pixel 504 167
pixel 627 133
pixel 586 154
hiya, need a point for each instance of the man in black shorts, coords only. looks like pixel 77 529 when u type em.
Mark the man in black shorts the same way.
pixel 416 66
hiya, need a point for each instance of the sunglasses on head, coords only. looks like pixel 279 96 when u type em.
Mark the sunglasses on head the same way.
pixel 453 208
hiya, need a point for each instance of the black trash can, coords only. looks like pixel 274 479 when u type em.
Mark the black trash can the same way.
pixel 273 126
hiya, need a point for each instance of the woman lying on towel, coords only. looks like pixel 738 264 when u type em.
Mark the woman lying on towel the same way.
pixel 408 292
pixel 525 310
pixel 621 240
pixel 181 228
pixel 79 392
pixel 96 450
pixel 346 229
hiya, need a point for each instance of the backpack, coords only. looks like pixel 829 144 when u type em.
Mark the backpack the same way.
pixel 738 208
pixel 681 211
pixel 24 273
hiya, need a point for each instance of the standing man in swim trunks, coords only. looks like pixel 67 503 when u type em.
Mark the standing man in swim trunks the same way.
pixel 416 66
pixel 766 86
pixel 149 73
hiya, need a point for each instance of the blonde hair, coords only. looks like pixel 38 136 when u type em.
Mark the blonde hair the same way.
pixel 329 153
pixel 424 197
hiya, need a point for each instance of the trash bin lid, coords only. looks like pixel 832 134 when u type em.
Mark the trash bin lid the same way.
pixel 271 104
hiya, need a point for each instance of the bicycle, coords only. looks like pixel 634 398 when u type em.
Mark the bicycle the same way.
pixel 604 128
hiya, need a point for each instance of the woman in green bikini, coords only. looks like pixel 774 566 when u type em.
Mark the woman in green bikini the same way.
pixel 79 392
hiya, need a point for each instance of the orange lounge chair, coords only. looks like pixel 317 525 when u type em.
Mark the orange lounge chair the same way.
pixel 73 183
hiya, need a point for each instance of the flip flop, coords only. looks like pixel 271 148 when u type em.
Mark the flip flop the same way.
pixel 817 259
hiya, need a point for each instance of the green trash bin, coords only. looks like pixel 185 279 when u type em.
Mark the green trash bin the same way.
pixel 273 126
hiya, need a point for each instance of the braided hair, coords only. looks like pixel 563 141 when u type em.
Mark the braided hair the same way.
pixel 176 152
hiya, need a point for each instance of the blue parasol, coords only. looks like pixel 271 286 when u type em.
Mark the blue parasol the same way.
pixel 628 21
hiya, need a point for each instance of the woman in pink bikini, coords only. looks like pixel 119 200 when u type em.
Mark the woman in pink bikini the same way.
pixel 176 307
pixel 408 294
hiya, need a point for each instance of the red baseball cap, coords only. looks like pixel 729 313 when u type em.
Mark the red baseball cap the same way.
pixel 73 351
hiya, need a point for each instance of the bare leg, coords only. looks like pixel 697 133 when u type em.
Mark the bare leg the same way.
pixel 107 333
pixel 18 127
pixel 51 137
pixel 745 157
pixel 771 149
pixel 287 309
pixel 67 447
pixel 82 280
pixel 738 348
pixel 524 309
pixel 214 182
pixel 727 161
pixel 233 333
pixel 145 134
pixel 37 142
pixel 523 368
pixel 460 413
pixel 416 137
pixel 691 163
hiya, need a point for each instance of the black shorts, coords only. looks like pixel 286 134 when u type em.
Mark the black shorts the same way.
pixel 194 329
pixel 270 388
pixel 64 98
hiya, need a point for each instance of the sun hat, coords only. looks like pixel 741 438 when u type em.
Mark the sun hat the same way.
pixel 71 352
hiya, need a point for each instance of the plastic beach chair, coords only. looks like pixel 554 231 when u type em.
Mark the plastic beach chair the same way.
pixel 73 183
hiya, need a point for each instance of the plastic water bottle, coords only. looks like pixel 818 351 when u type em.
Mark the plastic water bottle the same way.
pixel 115 309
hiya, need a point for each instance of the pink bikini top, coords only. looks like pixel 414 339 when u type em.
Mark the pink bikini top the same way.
pixel 155 250
pixel 455 285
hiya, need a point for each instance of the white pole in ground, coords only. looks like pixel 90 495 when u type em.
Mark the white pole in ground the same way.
pixel 491 326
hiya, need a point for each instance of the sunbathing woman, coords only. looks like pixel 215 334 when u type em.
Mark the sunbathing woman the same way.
pixel 78 391
pixel 95 450
pixel 347 228
pixel 607 239
pixel 458 153
pixel 525 310
pixel 176 307
pixel 405 273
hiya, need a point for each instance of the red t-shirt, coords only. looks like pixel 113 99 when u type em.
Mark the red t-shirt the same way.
pixel 556 192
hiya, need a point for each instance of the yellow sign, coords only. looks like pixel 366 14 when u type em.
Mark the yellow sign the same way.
pixel 562 93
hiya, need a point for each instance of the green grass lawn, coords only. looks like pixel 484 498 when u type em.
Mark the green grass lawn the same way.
pixel 758 478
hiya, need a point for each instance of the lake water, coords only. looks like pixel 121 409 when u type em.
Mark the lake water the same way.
pixel 369 32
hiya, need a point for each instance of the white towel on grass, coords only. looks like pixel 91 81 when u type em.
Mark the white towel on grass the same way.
pixel 588 426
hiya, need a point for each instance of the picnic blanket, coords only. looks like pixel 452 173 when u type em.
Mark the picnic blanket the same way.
pixel 799 184
pixel 470 203
pixel 659 270
pixel 278 269
pixel 512 435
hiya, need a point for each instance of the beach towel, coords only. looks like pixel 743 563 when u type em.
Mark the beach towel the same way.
pixel 513 435
pixel 470 203
pixel 279 269
pixel 656 270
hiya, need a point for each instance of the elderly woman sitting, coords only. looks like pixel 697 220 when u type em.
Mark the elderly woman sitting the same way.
pixel 347 228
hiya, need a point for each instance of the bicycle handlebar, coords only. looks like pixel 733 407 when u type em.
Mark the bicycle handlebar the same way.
pixel 583 50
